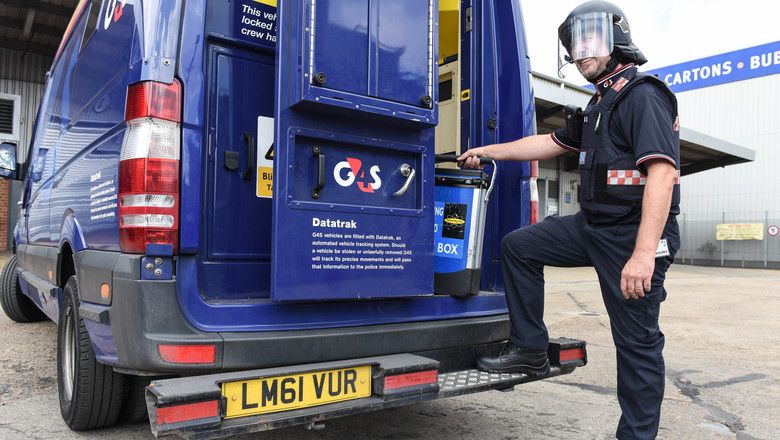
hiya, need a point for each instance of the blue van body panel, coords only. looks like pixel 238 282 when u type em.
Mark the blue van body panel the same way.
pixel 236 241
pixel 88 190
pixel 223 268
pixel 266 315
pixel 45 295
pixel 71 234
pixel 229 80
pixel 102 342
pixel 156 43
pixel 92 108
pixel 191 72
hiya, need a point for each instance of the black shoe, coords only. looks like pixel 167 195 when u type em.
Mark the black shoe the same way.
pixel 513 359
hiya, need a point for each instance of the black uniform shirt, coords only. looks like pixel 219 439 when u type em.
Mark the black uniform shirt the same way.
pixel 643 122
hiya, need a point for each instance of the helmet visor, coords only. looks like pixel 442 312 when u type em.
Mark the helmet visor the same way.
pixel 585 36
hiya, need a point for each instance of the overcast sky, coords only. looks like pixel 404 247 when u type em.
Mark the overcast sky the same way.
pixel 667 31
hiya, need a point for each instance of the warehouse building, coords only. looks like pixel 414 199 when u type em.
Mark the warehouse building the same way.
pixel 733 96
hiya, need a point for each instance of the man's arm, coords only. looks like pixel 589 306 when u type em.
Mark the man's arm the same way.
pixel 536 147
pixel 638 272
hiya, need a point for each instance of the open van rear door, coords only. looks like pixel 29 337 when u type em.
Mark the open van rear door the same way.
pixel 354 149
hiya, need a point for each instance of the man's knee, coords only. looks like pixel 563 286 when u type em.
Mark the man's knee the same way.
pixel 638 340
pixel 514 244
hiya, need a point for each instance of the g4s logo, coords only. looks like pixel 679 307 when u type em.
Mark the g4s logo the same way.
pixel 355 172
pixel 113 13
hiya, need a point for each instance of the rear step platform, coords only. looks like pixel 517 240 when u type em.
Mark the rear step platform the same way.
pixel 457 383
pixel 226 404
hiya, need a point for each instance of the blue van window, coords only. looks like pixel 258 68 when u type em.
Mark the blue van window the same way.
pixel 92 20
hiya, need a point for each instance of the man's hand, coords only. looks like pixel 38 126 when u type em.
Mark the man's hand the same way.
pixel 637 275
pixel 470 159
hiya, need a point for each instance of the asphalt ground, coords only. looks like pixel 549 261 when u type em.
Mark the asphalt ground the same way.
pixel 722 358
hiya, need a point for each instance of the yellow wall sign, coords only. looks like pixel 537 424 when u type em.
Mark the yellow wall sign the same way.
pixel 740 231
pixel 265 156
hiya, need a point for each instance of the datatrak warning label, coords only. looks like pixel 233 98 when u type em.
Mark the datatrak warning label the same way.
pixel 256 21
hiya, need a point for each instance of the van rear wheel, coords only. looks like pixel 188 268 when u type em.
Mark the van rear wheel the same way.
pixel 16 304
pixel 134 410
pixel 91 394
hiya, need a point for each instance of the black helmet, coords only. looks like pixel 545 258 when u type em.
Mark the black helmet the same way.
pixel 622 47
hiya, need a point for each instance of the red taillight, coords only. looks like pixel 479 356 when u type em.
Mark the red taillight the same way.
pixel 186 412
pixel 534 189
pixel 411 379
pixel 154 100
pixel 188 354
pixel 149 167
pixel 149 175
pixel 572 354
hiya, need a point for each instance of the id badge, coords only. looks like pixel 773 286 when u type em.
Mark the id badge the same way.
pixel 583 155
pixel 663 249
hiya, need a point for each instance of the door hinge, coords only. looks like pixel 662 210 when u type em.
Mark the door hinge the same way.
pixel 468 19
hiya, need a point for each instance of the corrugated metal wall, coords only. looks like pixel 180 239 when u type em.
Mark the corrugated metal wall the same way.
pixel 569 182
pixel 747 114
pixel 23 75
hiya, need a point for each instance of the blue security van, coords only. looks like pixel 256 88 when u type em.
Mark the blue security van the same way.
pixel 228 208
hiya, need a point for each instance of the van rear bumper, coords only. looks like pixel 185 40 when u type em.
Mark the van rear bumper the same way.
pixel 145 314
pixel 207 406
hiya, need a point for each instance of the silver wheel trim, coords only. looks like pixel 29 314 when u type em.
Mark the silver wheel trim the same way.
pixel 69 356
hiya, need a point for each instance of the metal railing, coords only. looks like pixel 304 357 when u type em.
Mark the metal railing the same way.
pixel 700 246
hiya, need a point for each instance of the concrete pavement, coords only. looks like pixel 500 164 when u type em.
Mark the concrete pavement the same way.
pixel 722 357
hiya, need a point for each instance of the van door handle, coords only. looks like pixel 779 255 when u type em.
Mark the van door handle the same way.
pixel 408 172
pixel 251 152
pixel 315 192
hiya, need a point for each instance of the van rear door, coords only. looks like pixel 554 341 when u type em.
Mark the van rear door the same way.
pixel 354 150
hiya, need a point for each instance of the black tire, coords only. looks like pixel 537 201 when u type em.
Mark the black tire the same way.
pixel 16 304
pixel 93 398
pixel 134 409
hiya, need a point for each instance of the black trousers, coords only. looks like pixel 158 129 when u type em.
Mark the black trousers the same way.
pixel 573 241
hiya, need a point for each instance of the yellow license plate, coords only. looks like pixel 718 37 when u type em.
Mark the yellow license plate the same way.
pixel 294 391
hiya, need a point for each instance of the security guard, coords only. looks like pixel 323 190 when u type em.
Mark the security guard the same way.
pixel 629 160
